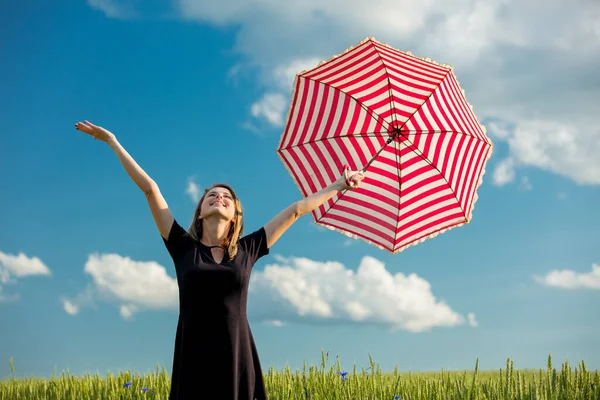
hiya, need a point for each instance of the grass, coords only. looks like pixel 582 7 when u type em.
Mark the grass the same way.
pixel 330 382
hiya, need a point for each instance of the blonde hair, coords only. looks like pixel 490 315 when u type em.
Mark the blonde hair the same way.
pixel 236 229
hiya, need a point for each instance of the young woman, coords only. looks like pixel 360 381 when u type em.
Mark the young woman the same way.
pixel 215 356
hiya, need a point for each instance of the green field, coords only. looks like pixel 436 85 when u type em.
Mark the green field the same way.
pixel 329 382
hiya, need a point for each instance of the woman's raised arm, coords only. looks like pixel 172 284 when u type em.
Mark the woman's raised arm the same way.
pixel 158 205
pixel 282 221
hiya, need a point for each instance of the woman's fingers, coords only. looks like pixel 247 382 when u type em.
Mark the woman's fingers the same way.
pixel 353 178
pixel 356 178
pixel 83 127
pixel 97 132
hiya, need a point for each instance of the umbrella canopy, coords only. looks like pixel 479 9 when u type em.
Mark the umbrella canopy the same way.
pixel 402 120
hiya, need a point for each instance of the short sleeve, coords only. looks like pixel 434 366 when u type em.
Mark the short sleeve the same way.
pixel 255 245
pixel 178 243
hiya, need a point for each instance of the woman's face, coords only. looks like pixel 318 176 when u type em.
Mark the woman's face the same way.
pixel 218 201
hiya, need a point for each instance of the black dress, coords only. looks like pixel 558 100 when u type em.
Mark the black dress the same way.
pixel 215 356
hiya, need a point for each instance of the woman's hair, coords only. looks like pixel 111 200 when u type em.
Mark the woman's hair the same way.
pixel 236 229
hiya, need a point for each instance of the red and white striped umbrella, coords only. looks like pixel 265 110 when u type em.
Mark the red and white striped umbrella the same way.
pixel 403 121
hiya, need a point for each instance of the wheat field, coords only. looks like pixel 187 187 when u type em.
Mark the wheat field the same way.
pixel 330 382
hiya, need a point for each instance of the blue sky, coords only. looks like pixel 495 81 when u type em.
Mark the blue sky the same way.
pixel 197 94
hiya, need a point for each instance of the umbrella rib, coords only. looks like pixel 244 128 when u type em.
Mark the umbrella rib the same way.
pixel 425 101
pixel 366 134
pixel 397 146
pixel 370 112
pixel 389 84
pixel 427 132
pixel 415 150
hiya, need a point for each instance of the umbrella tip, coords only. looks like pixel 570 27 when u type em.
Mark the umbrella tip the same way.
pixel 367 39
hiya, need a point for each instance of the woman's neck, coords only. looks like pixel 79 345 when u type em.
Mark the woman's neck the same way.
pixel 214 231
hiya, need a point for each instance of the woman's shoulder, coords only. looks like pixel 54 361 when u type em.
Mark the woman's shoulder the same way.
pixel 254 236
pixel 179 242
pixel 254 243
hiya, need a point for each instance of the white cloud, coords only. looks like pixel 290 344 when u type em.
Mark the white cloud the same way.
pixel 272 32
pixel 572 151
pixel 461 30
pixel 127 311
pixel 472 320
pixel 265 16
pixel 83 299
pixel 525 184
pixel 271 107
pixel 11 298
pixel 559 148
pixel 119 9
pixel 133 285
pixel 193 190
pixel 276 323
pixel 468 30
pixel 70 308
pixel 13 267
pixel 563 149
pixel 499 129
pixel 284 75
pixel 587 34
pixel 274 104
pixel 251 127
pixel 349 242
pixel 569 279
pixel 21 265
pixel 233 73
pixel 504 172
pixel 322 292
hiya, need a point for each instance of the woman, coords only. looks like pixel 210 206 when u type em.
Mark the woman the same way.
pixel 215 356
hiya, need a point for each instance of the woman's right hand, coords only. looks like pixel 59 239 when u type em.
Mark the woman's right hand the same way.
pixel 97 132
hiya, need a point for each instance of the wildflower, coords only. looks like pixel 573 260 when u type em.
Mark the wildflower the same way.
pixel 343 375
pixel 396 397
pixel 126 384
pixel 145 389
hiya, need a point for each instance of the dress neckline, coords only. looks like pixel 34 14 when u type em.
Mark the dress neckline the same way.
pixel 209 247
pixel 210 254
